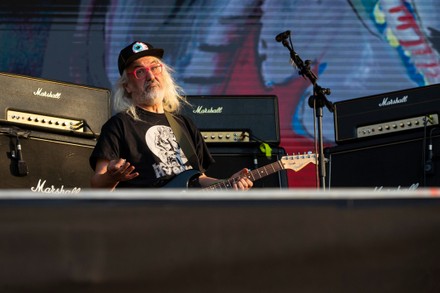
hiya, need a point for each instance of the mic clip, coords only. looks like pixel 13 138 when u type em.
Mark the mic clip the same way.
pixel 282 36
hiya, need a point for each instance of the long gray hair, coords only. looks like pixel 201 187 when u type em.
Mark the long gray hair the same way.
pixel 173 97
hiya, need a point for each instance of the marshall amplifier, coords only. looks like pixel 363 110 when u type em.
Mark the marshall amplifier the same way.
pixel 44 162
pixel 387 114
pixel 231 119
pixel 386 163
pixel 52 106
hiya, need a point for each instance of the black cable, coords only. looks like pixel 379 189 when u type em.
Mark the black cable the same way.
pixel 87 126
pixel 425 123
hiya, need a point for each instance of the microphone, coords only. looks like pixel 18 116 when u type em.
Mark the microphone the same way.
pixel 21 164
pixel 282 36
pixel 429 166
pixel 431 154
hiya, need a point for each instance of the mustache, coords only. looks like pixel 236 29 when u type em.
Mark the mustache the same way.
pixel 150 84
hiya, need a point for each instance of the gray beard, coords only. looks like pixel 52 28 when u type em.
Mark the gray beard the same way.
pixel 152 97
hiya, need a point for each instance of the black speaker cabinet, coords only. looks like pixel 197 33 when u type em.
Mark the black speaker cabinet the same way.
pixel 49 163
pixel 396 164
pixel 230 159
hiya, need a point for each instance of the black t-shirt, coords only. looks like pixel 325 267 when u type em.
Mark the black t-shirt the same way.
pixel 151 146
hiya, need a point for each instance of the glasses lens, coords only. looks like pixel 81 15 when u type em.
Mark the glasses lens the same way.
pixel 140 73
pixel 156 69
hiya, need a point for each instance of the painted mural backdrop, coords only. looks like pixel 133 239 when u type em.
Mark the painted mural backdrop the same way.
pixel 357 48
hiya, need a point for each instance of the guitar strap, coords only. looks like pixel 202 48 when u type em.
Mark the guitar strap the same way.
pixel 183 140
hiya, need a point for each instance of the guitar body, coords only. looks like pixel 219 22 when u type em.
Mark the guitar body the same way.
pixel 183 180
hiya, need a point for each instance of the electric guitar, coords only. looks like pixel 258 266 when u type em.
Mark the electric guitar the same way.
pixel 294 162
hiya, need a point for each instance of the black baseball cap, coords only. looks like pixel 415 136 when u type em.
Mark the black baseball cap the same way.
pixel 135 51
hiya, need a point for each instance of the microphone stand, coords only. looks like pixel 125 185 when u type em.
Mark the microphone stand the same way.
pixel 317 101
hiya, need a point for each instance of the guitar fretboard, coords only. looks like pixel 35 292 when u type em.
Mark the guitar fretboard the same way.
pixel 253 175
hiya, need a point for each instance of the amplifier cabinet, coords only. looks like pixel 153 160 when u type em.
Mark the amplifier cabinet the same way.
pixel 54 163
pixel 389 164
pixel 231 159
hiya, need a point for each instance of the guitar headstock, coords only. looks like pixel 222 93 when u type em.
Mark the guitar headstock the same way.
pixel 297 162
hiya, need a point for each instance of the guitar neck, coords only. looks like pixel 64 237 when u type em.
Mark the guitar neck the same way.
pixel 253 175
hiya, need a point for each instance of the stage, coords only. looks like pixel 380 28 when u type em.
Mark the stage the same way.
pixel 266 240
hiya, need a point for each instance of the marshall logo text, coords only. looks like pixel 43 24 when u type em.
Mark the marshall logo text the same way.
pixel 50 94
pixel 389 102
pixel 413 186
pixel 41 187
pixel 204 110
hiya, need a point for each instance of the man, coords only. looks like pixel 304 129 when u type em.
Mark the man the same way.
pixel 138 147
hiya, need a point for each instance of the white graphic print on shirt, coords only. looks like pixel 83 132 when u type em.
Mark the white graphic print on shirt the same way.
pixel 162 142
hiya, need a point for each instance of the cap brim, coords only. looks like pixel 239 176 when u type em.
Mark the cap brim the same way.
pixel 152 52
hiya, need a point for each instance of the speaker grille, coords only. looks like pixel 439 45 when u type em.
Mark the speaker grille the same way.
pixel 232 159
pixel 394 164
pixel 53 165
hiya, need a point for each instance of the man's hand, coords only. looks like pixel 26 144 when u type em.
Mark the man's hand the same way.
pixel 244 183
pixel 121 170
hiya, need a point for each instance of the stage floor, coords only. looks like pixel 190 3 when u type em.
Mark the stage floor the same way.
pixel 303 240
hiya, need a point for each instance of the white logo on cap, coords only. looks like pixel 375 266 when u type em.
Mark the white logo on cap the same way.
pixel 139 47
